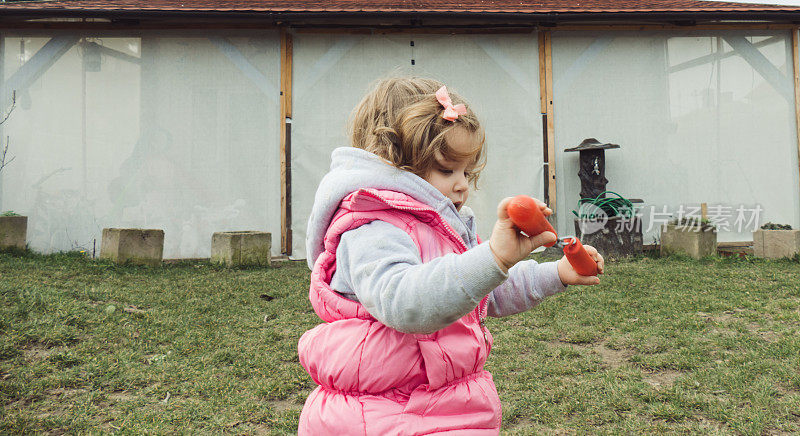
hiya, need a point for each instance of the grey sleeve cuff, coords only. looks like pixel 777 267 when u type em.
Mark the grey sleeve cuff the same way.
pixel 547 279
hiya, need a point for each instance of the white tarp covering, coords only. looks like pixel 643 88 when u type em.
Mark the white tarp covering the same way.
pixel 497 74
pixel 179 130
pixel 171 131
pixel 700 118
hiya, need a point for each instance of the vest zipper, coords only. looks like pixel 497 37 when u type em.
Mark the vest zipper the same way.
pixel 446 226
pixel 482 314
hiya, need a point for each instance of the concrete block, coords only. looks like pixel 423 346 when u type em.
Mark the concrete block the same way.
pixel 614 238
pixel 246 248
pixel 775 244
pixel 694 241
pixel 13 232
pixel 135 246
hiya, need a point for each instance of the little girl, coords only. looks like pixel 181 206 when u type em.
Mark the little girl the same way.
pixel 401 279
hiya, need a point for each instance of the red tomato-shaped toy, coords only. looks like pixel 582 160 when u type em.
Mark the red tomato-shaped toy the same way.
pixel 579 258
pixel 526 215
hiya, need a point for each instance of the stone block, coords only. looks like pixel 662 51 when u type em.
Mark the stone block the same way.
pixel 134 246
pixel 775 244
pixel 246 248
pixel 694 241
pixel 13 232
pixel 614 238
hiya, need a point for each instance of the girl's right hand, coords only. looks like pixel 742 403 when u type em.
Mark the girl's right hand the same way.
pixel 508 245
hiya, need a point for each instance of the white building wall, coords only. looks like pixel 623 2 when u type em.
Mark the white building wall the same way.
pixel 179 132
pixel 700 118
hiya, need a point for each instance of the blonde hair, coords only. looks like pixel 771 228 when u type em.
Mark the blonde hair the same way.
pixel 401 121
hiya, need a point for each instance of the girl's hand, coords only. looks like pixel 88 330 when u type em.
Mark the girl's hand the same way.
pixel 508 245
pixel 568 275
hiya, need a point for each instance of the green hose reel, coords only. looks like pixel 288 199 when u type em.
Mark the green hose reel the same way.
pixel 611 207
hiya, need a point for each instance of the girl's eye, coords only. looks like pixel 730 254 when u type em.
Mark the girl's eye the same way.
pixel 445 171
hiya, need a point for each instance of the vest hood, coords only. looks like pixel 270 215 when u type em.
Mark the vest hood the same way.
pixel 353 169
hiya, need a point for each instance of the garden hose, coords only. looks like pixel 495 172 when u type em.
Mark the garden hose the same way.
pixel 619 206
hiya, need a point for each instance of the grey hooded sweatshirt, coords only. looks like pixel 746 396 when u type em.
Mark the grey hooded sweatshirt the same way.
pixel 379 265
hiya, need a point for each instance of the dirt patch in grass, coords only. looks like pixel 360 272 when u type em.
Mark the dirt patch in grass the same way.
pixel 612 358
pixel 109 427
pixel 723 332
pixel 134 310
pixel 728 317
pixel 788 390
pixel 37 351
pixel 722 318
pixel 574 350
pixel 520 422
pixel 707 425
pixel 767 335
pixel 54 403
pixel 281 405
pixel 661 379
pixel 120 396
pixel 261 429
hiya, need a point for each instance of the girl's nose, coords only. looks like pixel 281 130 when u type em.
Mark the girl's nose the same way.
pixel 461 183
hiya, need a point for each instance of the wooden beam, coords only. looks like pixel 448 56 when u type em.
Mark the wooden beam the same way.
pixel 131 29
pixel 286 142
pixel 645 27
pixel 550 125
pixel 466 30
pixel 734 244
pixel 796 63
pixel 542 74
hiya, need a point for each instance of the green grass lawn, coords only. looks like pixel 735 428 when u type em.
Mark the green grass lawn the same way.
pixel 661 345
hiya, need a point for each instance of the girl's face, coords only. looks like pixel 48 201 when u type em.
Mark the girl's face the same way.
pixel 450 177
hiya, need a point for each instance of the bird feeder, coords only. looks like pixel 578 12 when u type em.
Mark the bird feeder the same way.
pixel 612 226
pixel 592 167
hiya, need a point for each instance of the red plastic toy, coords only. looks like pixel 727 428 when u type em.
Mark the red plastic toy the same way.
pixel 526 215
pixel 579 258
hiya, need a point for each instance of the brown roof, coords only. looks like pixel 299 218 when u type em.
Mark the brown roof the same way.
pixel 392 6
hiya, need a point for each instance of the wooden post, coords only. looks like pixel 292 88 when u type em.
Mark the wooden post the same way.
pixel 543 99
pixel 286 142
pixel 549 127
pixel 3 103
pixel 542 73
pixel 704 211
pixel 796 62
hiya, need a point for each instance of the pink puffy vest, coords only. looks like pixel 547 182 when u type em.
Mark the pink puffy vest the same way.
pixel 374 380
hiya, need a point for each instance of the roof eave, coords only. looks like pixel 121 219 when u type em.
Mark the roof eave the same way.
pixel 516 17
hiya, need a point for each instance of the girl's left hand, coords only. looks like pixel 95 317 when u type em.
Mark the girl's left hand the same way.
pixel 568 275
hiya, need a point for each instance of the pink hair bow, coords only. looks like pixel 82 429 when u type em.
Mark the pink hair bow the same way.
pixel 451 112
